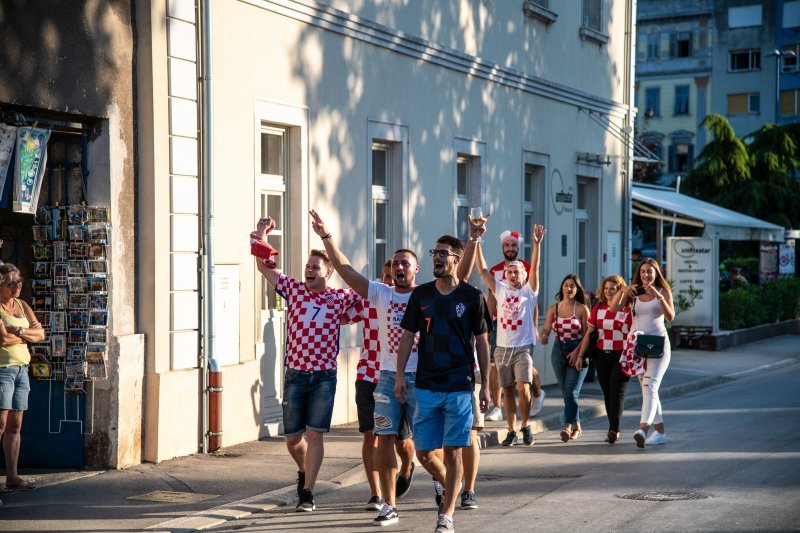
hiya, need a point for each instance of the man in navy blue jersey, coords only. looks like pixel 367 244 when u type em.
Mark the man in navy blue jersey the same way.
pixel 447 314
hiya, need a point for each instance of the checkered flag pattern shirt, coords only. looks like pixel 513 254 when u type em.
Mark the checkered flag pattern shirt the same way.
pixel 569 329
pixel 612 328
pixel 398 309
pixel 369 363
pixel 510 318
pixel 313 319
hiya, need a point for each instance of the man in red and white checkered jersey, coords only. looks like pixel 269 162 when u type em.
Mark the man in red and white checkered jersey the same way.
pixel 516 301
pixel 312 344
pixel 390 304
pixel 367 373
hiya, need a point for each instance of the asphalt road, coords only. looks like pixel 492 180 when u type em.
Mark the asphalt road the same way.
pixel 735 447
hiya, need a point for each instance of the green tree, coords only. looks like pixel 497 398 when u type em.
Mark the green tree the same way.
pixel 722 165
pixel 756 178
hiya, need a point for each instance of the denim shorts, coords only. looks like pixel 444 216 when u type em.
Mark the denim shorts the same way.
pixel 14 388
pixel 308 400
pixel 442 419
pixel 391 416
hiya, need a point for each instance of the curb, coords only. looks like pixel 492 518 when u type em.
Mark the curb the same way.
pixel 494 437
pixel 284 496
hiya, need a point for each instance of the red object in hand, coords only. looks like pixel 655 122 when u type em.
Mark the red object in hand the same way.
pixel 262 249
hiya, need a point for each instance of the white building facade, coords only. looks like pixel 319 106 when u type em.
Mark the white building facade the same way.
pixel 389 118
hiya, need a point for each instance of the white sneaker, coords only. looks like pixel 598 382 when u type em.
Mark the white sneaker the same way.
pixel 537 403
pixel 656 438
pixel 494 415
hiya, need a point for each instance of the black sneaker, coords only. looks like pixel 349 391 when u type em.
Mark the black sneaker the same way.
pixel 468 500
pixel 306 503
pixel 438 489
pixel 387 517
pixel 527 436
pixel 403 484
pixel 374 504
pixel 511 439
pixel 301 482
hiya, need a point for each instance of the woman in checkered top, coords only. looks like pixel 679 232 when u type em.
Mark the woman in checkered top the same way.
pixel 612 330
pixel 567 318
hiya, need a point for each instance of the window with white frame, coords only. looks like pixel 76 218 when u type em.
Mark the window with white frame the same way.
pixel 789 103
pixel 272 184
pixel 653 46
pixel 387 177
pixel 463 202
pixel 745 16
pixel 744 60
pixel 533 210
pixel 789 57
pixel 680 44
pixel 744 103
pixel 592 14
pixel 791 14
pixel 468 182
pixel 381 205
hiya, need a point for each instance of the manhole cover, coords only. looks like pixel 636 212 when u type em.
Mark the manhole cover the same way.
pixel 663 496
pixel 167 496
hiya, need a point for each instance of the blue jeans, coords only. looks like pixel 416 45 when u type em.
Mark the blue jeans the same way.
pixel 390 415
pixel 308 400
pixel 14 388
pixel 570 380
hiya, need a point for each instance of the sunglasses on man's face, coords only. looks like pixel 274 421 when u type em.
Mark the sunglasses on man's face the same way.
pixel 442 253
pixel 14 284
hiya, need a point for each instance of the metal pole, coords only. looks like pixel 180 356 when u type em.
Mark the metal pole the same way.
pixel 777 54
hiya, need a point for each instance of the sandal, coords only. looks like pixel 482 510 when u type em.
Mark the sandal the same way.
pixel 565 433
pixel 22 485
pixel 576 432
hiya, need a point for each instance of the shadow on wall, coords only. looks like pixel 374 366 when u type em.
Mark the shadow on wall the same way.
pixel 342 79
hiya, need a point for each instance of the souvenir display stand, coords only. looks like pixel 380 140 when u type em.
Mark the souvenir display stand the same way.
pixel 70 294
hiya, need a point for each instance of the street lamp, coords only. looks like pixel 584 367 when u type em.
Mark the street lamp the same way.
pixel 778 54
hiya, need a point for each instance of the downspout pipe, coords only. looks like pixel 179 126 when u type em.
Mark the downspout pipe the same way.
pixel 630 59
pixel 208 360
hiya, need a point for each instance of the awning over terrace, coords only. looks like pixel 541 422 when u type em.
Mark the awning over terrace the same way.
pixel 669 206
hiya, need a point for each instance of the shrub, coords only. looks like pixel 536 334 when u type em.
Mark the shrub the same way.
pixel 751 305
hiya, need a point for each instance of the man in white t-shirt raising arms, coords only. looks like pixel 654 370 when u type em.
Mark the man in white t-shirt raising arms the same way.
pixel 390 304
pixel 516 301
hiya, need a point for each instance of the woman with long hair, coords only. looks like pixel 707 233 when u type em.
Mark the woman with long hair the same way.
pixel 650 299
pixel 612 330
pixel 18 327
pixel 567 319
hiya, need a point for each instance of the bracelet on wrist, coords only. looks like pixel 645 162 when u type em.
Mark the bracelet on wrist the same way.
pixel 326 236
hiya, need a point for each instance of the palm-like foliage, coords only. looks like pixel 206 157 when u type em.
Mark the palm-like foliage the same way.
pixel 755 179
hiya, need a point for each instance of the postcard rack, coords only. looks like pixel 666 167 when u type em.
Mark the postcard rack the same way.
pixel 70 294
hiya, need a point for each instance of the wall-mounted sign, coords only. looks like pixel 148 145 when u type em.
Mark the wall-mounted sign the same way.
pixel 768 262
pixel 691 268
pixel 30 162
pixel 560 194
pixel 786 259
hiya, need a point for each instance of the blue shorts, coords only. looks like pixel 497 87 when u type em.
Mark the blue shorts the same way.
pixel 14 388
pixel 389 413
pixel 442 419
pixel 308 400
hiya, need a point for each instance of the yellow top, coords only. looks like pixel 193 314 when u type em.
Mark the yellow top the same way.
pixel 17 354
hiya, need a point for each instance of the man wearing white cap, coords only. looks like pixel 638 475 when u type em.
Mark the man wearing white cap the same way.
pixel 511 242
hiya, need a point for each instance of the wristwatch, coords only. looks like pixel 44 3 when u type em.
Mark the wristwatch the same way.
pixel 20 331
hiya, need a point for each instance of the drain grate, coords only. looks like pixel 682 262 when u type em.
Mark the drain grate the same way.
pixel 166 496
pixel 663 496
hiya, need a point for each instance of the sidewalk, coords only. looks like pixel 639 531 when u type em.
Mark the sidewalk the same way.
pixel 203 491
